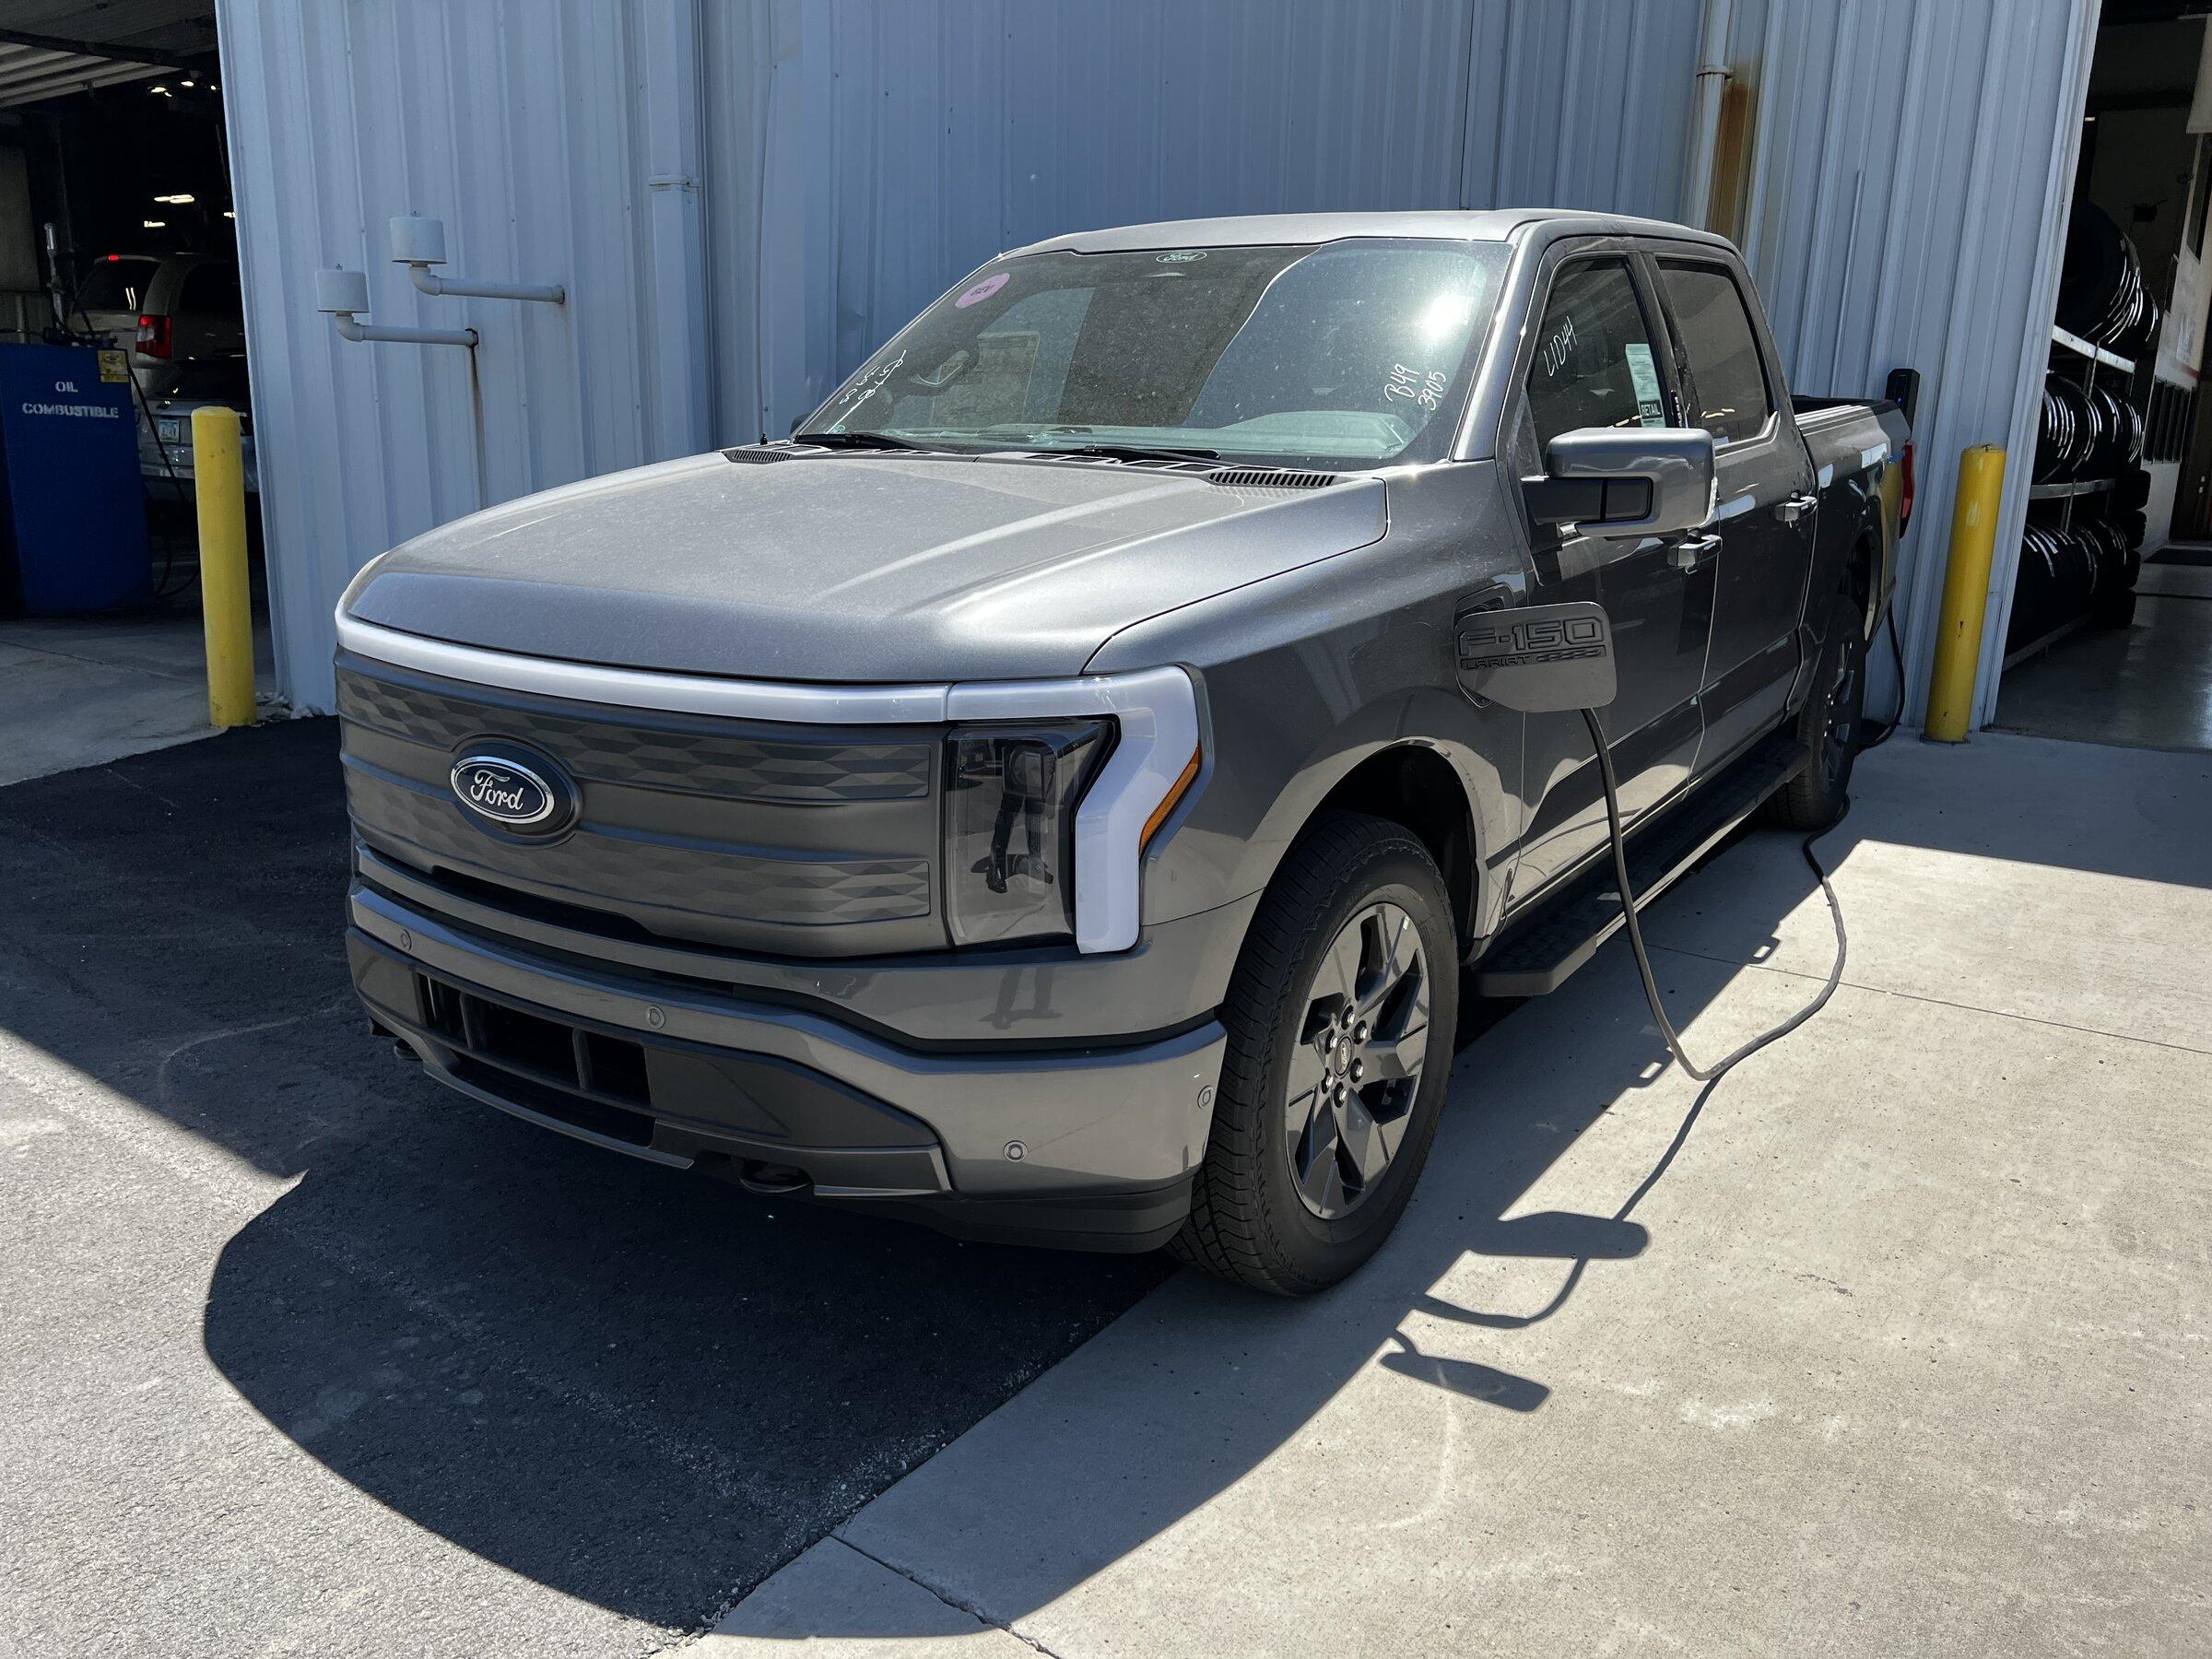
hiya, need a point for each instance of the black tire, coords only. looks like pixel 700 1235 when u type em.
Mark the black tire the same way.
pixel 1253 1218
pixel 1829 726
pixel 2115 609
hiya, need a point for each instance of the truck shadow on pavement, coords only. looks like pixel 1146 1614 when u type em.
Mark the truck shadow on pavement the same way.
pixel 637 1387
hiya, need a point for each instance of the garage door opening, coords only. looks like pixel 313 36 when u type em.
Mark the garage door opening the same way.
pixel 120 315
pixel 2110 636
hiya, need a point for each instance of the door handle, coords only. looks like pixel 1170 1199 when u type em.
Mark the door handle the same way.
pixel 1688 553
pixel 1792 508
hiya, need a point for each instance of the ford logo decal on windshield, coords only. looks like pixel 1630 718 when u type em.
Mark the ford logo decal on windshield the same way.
pixel 526 797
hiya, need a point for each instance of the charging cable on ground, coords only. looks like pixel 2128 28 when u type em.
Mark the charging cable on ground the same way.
pixel 1643 961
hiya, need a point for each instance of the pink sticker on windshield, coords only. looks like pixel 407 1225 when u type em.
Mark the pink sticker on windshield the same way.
pixel 982 290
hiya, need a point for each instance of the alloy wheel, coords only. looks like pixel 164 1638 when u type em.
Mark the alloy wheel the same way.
pixel 1357 1069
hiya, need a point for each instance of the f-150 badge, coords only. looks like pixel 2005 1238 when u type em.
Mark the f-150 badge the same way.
pixel 1538 658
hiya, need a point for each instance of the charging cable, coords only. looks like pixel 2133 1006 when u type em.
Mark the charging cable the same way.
pixel 1643 961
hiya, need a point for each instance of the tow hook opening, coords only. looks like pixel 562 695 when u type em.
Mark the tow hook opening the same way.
pixel 772 1179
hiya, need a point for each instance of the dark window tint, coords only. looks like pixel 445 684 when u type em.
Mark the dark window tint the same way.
pixel 1594 365
pixel 1729 388
pixel 113 285
pixel 211 290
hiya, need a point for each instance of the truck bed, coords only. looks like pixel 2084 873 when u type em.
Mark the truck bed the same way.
pixel 1845 435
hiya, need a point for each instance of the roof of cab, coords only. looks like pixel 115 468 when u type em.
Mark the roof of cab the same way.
pixel 1497 224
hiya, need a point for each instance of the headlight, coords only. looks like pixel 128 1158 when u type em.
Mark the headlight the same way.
pixel 1010 799
pixel 1054 791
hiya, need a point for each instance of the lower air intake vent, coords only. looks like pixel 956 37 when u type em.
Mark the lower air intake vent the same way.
pixel 1268 478
pixel 750 454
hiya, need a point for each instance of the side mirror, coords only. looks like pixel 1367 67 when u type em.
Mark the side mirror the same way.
pixel 1625 480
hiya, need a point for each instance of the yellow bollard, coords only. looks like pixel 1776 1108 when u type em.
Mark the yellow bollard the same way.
pixel 1965 594
pixel 226 605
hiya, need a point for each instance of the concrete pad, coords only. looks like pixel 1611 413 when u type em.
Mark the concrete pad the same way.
pixel 1903 1352
pixel 879 1612
pixel 2059 882
pixel 66 711
pixel 83 692
pixel 2150 683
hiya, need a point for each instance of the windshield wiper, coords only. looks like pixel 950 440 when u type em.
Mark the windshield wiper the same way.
pixel 858 440
pixel 1132 452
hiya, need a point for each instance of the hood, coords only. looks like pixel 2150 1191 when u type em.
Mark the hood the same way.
pixel 852 568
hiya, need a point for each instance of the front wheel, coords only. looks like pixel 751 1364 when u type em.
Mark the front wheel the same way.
pixel 1340 1017
pixel 1829 727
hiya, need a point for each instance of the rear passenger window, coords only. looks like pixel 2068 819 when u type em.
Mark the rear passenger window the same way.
pixel 1593 364
pixel 211 290
pixel 1729 395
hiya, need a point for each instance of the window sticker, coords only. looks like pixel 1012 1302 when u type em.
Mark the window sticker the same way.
pixel 1643 375
pixel 982 290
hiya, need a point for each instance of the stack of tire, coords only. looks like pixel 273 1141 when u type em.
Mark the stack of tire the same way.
pixel 2086 432
pixel 2087 567
pixel 2100 291
pixel 2080 557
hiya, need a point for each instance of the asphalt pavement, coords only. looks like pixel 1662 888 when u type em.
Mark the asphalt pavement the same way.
pixel 306 1355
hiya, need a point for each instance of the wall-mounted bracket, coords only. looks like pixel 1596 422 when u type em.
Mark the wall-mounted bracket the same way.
pixel 419 243
pixel 345 294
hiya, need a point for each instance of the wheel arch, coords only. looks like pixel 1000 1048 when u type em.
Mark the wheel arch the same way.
pixel 1414 785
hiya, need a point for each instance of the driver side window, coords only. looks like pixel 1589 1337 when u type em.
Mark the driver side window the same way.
pixel 1594 365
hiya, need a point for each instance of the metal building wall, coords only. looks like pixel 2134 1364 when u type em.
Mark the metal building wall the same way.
pixel 745 197
pixel 1911 170
pixel 904 144
pixel 516 123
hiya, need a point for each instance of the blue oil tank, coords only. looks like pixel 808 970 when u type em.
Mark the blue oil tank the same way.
pixel 71 508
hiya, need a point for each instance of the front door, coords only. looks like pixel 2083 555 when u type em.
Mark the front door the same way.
pixel 1763 488
pixel 1597 360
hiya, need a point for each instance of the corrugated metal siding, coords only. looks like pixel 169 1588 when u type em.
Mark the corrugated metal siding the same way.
pixel 854 158
pixel 1911 164
pixel 512 124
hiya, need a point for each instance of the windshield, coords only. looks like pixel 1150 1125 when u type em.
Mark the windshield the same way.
pixel 1346 355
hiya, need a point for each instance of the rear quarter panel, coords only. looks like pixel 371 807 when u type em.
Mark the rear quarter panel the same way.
pixel 1855 450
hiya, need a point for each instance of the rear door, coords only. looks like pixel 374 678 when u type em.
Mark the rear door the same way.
pixel 1597 356
pixel 209 317
pixel 1764 491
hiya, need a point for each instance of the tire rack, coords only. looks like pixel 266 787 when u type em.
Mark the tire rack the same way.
pixel 2089 360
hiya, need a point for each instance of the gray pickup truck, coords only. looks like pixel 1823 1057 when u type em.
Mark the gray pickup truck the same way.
pixel 1062 792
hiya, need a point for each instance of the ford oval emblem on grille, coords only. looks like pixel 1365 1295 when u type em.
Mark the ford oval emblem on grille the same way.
pixel 512 794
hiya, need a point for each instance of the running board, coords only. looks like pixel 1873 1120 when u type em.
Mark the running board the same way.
pixel 1536 955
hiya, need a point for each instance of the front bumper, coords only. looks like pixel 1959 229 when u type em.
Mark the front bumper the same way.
pixel 1091 1146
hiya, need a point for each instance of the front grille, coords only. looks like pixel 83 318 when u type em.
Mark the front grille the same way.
pixel 666 1097
pixel 629 1127
pixel 566 1057
pixel 745 835
pixel 681 755
pixel 797 892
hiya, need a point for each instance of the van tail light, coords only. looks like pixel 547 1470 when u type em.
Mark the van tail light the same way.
pixel 1904 504
pixel 154 339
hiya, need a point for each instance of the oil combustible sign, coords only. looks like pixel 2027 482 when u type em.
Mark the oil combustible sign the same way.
pixel 79 411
